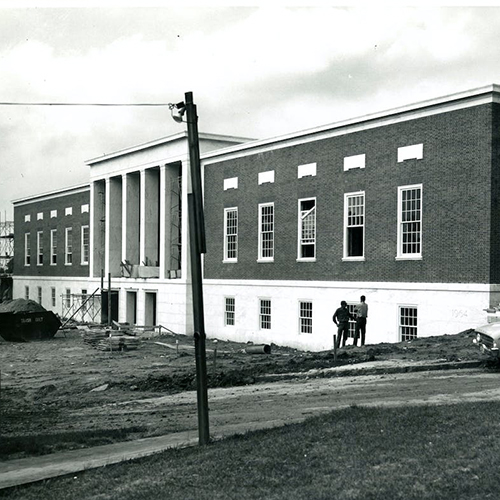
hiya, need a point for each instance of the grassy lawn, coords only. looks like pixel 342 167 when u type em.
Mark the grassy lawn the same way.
pixel 427 452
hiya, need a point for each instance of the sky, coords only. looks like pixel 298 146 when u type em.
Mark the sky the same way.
pixel 257 71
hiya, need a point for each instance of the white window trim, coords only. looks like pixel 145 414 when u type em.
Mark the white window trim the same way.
pixel 66 254
pixel 27 218
pixel 82 253
pixel 52 233
pixel 345 256
pixel 39 216
pixel 27 254
pixel 300 332
pixel 226 258
pixel 53 214
pixel 398 319
pixel 259 326
pixel 299 230
pixel 68 211
pixel 53 296
pixel 84 208
pixel 400 255
pixel 225 311
pixel 260 258
pixel 39 239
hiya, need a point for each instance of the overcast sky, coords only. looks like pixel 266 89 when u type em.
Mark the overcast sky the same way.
pixel 255 71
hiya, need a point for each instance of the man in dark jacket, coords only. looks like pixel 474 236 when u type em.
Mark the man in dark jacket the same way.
pixel 341 319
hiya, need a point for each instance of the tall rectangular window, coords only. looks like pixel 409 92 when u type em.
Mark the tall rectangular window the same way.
pixel 305 317
pixel 53 295
pixel 407 323
pixel 410 221
pixel 39 290
pixel 265 314
pixel 39 246
pixel 53 247
pixel 230 234
pixel 27 292
pixel 229 311
pixel 27 249
pixel 68 297
pixel 266 231
pixel 85 245
pixel 354 225
pixel 68 246
pixel 307 229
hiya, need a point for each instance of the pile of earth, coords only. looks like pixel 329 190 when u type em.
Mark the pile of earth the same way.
pixel 20 306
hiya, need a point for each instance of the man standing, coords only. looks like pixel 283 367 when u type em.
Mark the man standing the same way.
pixel 341 319
pixel 361 311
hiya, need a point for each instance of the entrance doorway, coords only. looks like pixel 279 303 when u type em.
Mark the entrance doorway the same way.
pixel 131 308
pixel 150 309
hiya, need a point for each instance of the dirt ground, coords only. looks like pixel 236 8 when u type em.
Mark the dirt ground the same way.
pixel 67 386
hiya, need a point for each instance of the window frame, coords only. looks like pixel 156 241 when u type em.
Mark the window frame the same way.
pixel 227 235
pixel 53 247
pixel 68 246
pixel 401 326
pixel 39 294
pixel 85 247
pixel 53 296
pixel 300 219
pixel 400 254
pixel 261 257
pixel 27 292
pixel 27 248
pixel 265 313
pixel 229 315
pixel 301 318
pixel 348 196
pixel 39 248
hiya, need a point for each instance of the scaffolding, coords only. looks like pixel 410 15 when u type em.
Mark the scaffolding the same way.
pixel 81 307
pixel 6 243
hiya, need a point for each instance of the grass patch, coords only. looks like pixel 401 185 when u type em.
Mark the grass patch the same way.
pixel 42 444
pixel 413 453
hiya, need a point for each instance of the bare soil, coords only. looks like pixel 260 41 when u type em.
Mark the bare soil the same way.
pixel 65 386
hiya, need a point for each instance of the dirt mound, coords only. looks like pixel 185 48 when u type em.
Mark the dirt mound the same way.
pixel 20 306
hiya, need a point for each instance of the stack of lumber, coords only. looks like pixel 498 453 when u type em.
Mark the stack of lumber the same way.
pixel 93 337
pixel 118 343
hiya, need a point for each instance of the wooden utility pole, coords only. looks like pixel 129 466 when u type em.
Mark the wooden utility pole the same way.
pixel 197 247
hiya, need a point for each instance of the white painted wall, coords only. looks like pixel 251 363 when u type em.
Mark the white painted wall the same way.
pixel 442 309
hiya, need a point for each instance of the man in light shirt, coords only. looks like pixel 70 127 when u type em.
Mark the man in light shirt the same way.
pixel 361 311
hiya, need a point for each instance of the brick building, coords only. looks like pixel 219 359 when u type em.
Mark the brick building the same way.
pixel 401 206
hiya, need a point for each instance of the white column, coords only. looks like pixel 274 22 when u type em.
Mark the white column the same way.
pixel 124 217
pixel 91 230
pixel 162 234
pixel 142 205
pixel 107 225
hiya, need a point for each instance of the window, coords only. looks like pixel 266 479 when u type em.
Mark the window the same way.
pixel 307 229
pixel 39 246
pixel 68 297
pixel 354 229
pixel 407 323
pixel 231 183
pixel 39 290
pixel 27 249
pixel 53 296
pixel 265 314
pixel 27 292
pixel 356 161
pixel 410 222
pixel 85 244
pixel 229 311
pixel 27 218
pixel 230 234
pixel 68 248
pixel 266 177
pixel 85 208
pixel 39 216
pixel 266 231
pixel 68 211
pixel 413 152
pixel 352 322
pixel 53 247
pixel 53 214
pixel 305 317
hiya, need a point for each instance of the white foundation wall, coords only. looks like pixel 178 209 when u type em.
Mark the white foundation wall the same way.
pixel 75 285
pixel 442 309
pixel 173 298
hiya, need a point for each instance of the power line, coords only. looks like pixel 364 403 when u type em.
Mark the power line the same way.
pixel 82 104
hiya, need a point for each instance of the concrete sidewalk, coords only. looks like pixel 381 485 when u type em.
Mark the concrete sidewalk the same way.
pixel 28 470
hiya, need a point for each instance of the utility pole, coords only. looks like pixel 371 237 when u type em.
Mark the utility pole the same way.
pixel 197 247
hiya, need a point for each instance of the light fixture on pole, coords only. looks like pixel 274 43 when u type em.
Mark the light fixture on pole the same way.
pixel 197 244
